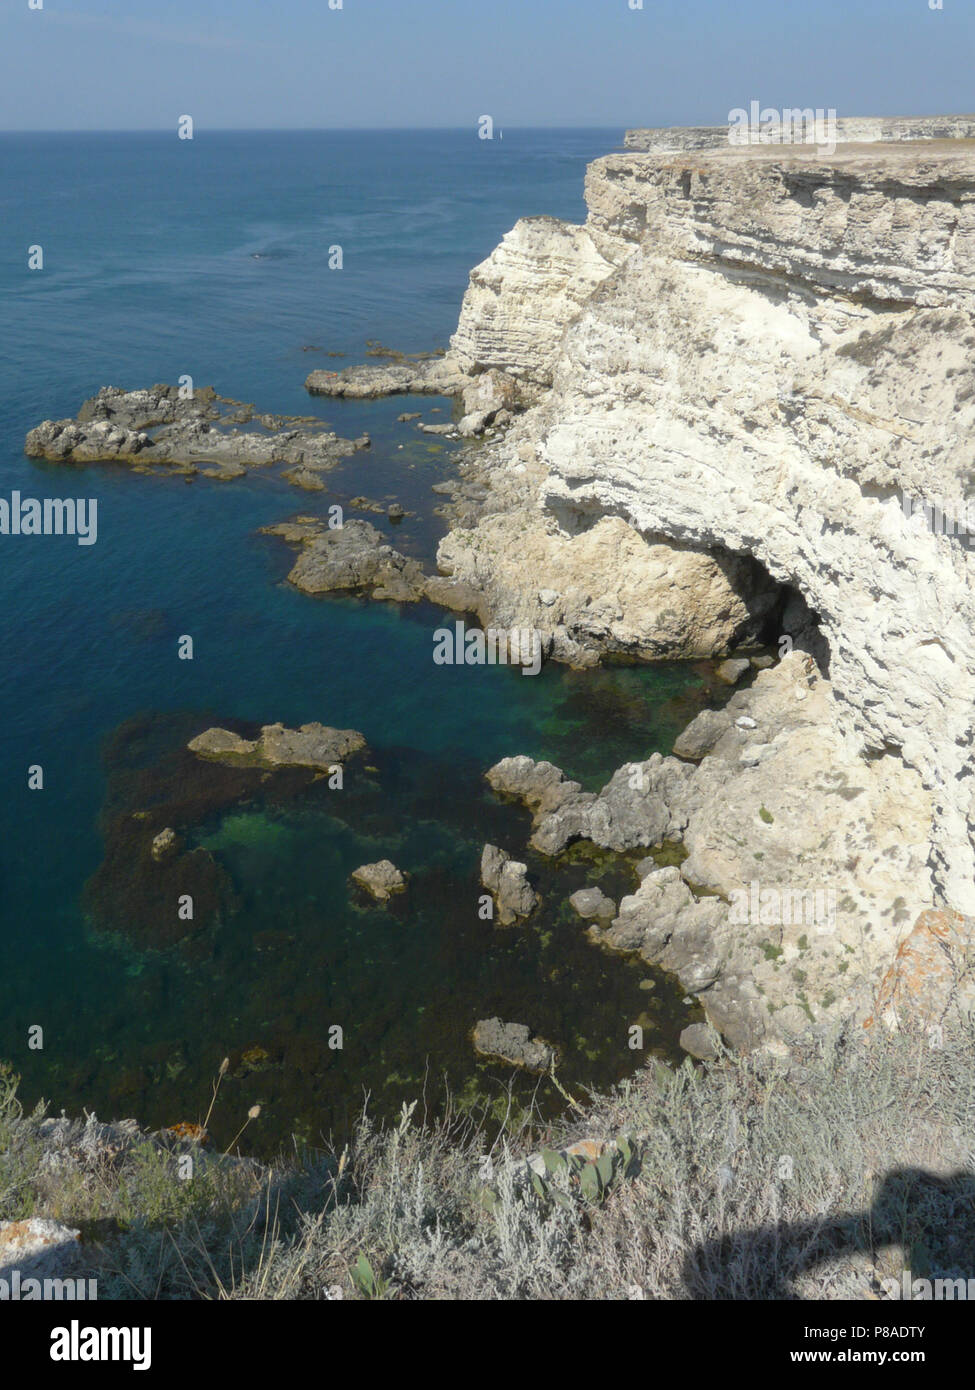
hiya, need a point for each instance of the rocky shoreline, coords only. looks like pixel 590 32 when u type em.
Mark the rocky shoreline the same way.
pixel 692 422
pixel 716 395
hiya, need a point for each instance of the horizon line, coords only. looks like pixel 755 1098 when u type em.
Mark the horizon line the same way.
pixel 298 130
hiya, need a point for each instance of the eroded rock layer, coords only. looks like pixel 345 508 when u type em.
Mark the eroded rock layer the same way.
pixel 780 355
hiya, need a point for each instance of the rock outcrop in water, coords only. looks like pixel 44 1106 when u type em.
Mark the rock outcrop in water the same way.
pixel 512 1043
pixel 380 880
pixel 313 746
pixel 189 434
pixel 351 558
pixel 507 881
pixel 414 376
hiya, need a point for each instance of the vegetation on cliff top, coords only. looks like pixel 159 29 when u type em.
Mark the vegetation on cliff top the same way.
pixel 816 1178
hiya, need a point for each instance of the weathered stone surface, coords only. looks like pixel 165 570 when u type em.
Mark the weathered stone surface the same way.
pixel 520 299
pixel 593 902
pixel 417 376
pixel 507 880
pixel 381 880
pixel 732 670
pixel 933 973
pixel 512 1042
pixel 702 734
pixel 698 1039
pixel 606 587
pixel 39 1249
pixel 779 351
pixel 313 745
pixel 779 355
pixel 643 804
pixel 157 426
pixel 353 557
pixel 784 353
pixel 447 431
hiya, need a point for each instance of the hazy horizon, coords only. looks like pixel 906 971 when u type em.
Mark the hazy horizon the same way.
pixel 103 66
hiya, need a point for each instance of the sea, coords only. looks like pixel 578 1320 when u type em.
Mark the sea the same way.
pixel 210 258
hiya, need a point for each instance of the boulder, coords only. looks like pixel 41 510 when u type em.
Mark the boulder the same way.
pixel 424 375
pixel 381 880
pixel 700 1041
pixel 507 880
pixel 512 1042
pixel 732 670
pixel 702 734
pixel 593 902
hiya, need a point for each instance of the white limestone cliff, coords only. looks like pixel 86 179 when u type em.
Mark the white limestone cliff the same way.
pixel 775 351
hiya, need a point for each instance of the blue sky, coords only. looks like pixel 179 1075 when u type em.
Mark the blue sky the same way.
pixel 140 64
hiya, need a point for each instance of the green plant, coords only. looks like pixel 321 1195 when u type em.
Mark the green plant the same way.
pixel 366 1281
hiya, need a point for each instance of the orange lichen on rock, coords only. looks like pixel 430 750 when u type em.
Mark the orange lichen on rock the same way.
pixel 195 1134
pixel 16 1234
pixel 590 1149
pixel 933 970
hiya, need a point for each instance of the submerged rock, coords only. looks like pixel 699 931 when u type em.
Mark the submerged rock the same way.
pixel 512 1042
pixel 381 880
pixel 165 845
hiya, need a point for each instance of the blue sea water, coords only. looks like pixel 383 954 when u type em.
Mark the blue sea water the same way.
pixel 165 257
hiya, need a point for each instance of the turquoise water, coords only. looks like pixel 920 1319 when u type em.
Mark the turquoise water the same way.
pixel 211 258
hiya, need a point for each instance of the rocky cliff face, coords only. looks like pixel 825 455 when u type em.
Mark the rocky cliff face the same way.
pixel 761 354
pixel 861 130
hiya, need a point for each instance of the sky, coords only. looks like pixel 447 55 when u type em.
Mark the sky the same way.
pixel 301 64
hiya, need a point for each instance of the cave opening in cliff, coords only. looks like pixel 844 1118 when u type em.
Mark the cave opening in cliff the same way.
pixel 779 615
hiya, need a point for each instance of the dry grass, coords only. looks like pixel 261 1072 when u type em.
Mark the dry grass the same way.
pixel 751 1180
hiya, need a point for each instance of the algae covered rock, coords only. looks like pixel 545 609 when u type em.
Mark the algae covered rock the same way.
pixel 512 1042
